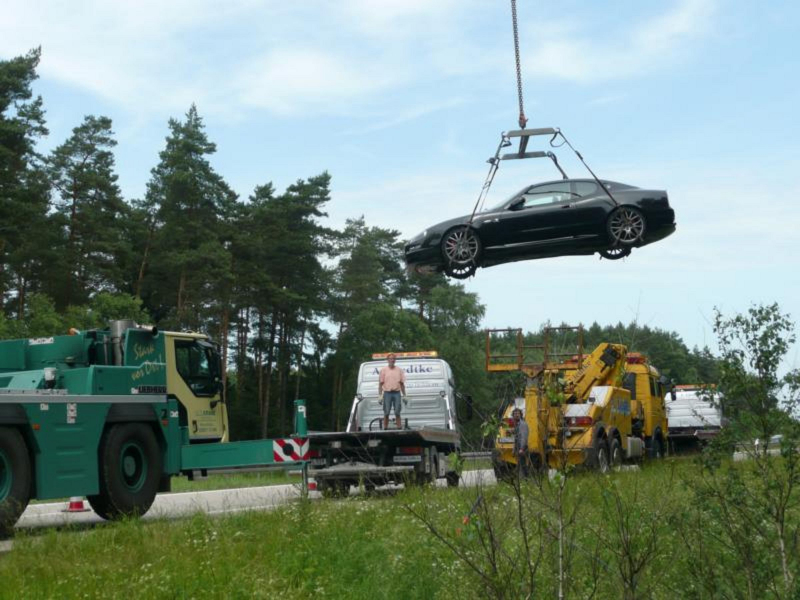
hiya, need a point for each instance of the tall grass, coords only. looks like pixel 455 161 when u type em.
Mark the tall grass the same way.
pixel 373 547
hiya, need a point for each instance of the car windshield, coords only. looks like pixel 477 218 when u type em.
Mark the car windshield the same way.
pixel 507 200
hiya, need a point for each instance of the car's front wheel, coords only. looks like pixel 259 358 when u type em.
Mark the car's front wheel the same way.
pixel 626 226
pixel 461 250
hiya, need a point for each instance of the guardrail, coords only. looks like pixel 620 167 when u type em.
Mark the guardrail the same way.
pixel 475 455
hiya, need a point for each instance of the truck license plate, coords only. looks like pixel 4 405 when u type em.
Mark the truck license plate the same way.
pixel 408 459
pixel 506 440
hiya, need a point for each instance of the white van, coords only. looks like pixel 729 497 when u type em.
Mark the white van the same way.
pixel 430 394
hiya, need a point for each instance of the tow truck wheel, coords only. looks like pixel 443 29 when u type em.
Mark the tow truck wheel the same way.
pixel 656 446
pixel 130 471
pixel 601 461
pixel 15 478
pixel 452 478
pixel 615 453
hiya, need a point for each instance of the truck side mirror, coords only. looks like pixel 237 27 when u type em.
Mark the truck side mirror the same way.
pixel 470 411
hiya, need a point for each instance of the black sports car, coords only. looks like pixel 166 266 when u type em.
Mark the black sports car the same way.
pixel 557 218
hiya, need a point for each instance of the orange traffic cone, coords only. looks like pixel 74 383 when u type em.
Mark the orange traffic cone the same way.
pixel 76 505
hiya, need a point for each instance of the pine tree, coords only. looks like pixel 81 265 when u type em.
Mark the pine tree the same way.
pixel 186 267
pixel 95 216
pixel 26 231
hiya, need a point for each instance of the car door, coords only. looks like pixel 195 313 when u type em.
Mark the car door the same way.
pixel 585 212
pixel 539 215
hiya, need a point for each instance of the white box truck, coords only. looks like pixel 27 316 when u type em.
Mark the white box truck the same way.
pixel 692 415
pixel 421 451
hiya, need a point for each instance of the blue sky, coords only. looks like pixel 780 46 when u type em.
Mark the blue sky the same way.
pixel 402 101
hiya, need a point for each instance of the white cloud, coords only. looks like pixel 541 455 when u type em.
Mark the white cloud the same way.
pixel 566 52
pixel 294 80
pixel 316 58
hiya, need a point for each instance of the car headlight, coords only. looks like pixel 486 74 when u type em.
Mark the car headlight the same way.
pixel 420 236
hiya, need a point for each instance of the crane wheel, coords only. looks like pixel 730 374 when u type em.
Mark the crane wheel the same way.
pixel 130 471
pixel 15 478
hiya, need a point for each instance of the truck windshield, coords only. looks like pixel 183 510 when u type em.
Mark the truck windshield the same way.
pixel 197 362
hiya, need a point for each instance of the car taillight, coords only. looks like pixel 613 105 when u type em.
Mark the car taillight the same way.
pixel 580 421
pixel 510 422
pixel 314 454
pixel 409 450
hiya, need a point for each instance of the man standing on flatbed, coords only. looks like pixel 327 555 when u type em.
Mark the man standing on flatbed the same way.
pixel 391 388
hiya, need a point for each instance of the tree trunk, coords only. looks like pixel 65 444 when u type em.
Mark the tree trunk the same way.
pixel 299 364
pixel 21 298
pixel 338 394
pixel 2 270
pixel 283 367
pixel 180 298
pixel 267 385
pixel 223 334
pixel 260 366
pixel 142 267
pixel 73 255
pixel 242 335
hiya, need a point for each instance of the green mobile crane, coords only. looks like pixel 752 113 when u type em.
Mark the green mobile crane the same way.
pixel 112 414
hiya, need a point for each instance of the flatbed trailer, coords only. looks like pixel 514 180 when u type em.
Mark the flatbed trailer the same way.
pixel 340 459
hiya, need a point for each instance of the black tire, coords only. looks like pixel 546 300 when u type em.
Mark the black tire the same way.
pixel 325 488
pixel 15 478
pixel 452 478
pixel 423 478
pixel 615 253
pixel 600 452
pixel 626 226
pixel 615 454
pixel 502 470
pixel 656 447
pixel 130 471
pixel 461 251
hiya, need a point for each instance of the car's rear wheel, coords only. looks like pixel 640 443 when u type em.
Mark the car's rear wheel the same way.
pixel 461 250
pixel 626 226
pixel 615 253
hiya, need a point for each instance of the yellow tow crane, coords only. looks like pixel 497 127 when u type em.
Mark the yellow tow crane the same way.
pixel 597 410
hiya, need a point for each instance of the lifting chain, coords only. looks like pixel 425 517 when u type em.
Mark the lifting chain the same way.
pixel 522 118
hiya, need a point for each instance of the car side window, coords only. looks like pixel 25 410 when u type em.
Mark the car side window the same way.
pixel 585 188
pixel 549 193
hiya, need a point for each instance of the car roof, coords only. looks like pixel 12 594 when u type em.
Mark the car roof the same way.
pixel 607 182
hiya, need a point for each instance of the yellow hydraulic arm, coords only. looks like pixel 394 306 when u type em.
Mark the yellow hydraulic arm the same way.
pixel 604 366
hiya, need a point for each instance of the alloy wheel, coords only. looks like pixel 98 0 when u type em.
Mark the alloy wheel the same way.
pixel 461 246
pixel 626 226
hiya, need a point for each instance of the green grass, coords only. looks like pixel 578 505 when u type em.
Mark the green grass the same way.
pixel 361 548
pixel 372 547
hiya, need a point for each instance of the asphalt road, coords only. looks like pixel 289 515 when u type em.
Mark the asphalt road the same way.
pixel 172 506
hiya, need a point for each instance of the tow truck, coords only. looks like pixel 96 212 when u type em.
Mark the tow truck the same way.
pixel 424 449
pixel 596 410
pixel 113 414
